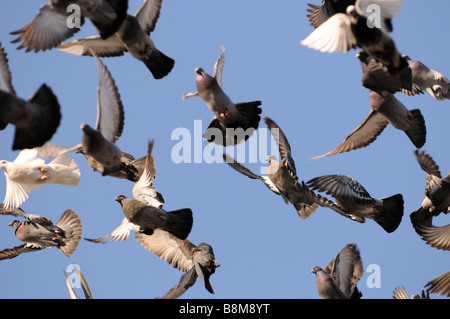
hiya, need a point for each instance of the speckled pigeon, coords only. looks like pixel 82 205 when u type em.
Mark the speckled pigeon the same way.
pixel 429 80
pixel 28 172
pixel 354 202
pixel 437 201
pixel 233 123
pixel 356 28
pixel 52 24
pixel 338 280
pixel 385 109
pixel 133 36
pixel 39 232
pixel 36 119
pixel 195 261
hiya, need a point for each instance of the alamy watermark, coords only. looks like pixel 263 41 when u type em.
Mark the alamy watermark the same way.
pixel 74 18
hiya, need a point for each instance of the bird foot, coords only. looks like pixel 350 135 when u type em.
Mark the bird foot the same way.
pixel 216 264
pixel 44 178
pixel 56 239
pixel 43 169
pixel 225 115
pixel 432 208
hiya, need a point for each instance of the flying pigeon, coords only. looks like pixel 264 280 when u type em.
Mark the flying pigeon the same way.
pixel 437 201
pixel 400 293
pixel 281 176
pixel 232 123
pixel 28 172
pixel 56 21
pixel 385 109
pixel 440 285
pixel 319 14
pixel 36 119
pixel 429 80
pixel 133 36
pixel 39 232
pixel 195 261
pixel 357 28
pixel 338 280
pixel 81 280
pixel 355 202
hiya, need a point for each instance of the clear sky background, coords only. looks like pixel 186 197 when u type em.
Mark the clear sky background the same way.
pixel 264 248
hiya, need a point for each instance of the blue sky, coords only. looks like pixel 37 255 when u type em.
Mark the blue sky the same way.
pixel 264 249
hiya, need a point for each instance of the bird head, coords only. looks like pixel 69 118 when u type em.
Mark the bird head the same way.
pixel 14 224
pixel 119 199
pixel 315 269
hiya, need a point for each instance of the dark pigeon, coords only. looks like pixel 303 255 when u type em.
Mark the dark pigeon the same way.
pixel 318 14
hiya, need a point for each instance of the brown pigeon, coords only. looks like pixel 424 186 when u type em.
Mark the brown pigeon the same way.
pixel 232 123
pixel 354 202
pixel 437 201
pixel 338 280
pixel 133 36
pixel 39 232
pixel 52 24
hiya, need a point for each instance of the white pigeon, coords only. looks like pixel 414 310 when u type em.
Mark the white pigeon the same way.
pixel 29 171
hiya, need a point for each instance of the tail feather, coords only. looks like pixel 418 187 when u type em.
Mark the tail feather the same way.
pixel 179 222
pixel 159 64
pixel 417 132
pixel 70 223
pixel 390 213
pixel 251 111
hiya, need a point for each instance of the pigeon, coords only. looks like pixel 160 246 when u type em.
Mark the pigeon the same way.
pixel 194 261
pixel 28 172
pixel 282 176
pixel 39 232
pixel 355 202
pixel 81 280
pixel 437 201
pixel 133 36
pixel 339 279
pixel 319 14
pixel 385 109
pixel 440 285
pixel 36 119
pixel 400 293
pixel 429 80
pixel 232 123
pixel 357 28
pixel 55 22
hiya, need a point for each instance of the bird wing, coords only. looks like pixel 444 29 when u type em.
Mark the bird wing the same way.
pixel 18 212
pixel 283 145
pixel 366 133
pixel 218 67
pixel 334 35
pixel 341 187
pixel 17 193
pixel 148 14
pixel 110 113
pixel 109 47
pixel 173 250
pixel 440 284
pixel 47 29
pixel 187 280
pixel 143 189
pixel 16 251
pixel 434 177
pixel 5 73
pixel 437 237
pixel 119 234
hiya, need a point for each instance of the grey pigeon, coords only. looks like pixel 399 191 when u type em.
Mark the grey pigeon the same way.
pixel 51 25
pixel 318 14
pixel 439 285
pixel 429 80
pixel 39 232
pixel 400 293
pixel 353 201
pixel 282 176
pixel 36 119
pixel 339 279
pixel 81 280
pixel 385 109
pixel 145 193
pixel 133 36
pixel 437 201
pixel 233 123
pixel 355 28
pixel 195 261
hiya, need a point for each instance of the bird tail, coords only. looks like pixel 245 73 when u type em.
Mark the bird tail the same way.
pixel 251 111
pixel 70 223
pixel 66 171
pixel 159 64
pixel 417 132
pixel 179 222
pixel 42 127
pixel 390 212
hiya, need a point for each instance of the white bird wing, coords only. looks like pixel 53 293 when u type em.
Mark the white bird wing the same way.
pixel 388 8
pixel 110 113
pixel 108 47
pixel 122 232
pixel 17 193
pixel 334 35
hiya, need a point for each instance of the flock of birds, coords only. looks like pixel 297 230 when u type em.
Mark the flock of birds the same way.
pixel 339 25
